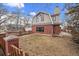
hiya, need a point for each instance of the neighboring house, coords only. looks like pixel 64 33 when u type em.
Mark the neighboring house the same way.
pixel 12 22
pixel 45 23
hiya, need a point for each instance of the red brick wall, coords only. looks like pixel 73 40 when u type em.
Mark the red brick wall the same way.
pixel 56 29
pixel 48 29
pixel 33 29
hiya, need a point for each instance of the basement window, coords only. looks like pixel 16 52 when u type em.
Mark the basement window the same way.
pixel 40 29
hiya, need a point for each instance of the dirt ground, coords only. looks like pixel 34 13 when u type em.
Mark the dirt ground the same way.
pixel 45 45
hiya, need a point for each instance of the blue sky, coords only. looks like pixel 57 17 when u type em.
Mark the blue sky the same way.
pixel 31 8
pixel 35 7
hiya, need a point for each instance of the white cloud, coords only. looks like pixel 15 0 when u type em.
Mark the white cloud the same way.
pixel 32 13
pixel 20 5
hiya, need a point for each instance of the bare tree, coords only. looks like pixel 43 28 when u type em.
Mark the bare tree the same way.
pixel 3 11
pixel 73 22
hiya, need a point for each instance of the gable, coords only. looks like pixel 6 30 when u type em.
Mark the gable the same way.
pixel 42 18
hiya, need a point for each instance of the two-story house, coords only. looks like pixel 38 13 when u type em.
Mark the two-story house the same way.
pixel 45 23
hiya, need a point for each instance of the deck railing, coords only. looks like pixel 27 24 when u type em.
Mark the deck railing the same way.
pixel 17 51
pixel 11 47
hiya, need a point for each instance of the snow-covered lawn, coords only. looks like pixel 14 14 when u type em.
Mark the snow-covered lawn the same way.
pixel 65 34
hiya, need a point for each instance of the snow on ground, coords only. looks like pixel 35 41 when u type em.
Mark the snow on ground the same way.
pixel 10 37
pixel 65 34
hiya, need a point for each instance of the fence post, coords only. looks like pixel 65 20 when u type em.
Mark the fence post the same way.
pixel 6 48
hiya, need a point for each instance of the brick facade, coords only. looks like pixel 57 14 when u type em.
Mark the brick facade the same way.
pixel 48 29
pixel 56 29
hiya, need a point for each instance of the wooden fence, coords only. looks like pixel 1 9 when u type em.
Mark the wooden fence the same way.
pixel 17 51
pixel 19 33
pixel 11 47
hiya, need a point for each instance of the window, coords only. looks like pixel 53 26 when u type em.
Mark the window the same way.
pixel 40 29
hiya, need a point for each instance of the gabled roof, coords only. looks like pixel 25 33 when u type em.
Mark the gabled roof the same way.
pixel 45 13
pixel 40 13
pixel 48 15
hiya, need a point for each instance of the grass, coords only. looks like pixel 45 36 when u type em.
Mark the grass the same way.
pixel 42 45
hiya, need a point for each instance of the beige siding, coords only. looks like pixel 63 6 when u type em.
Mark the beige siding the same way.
pixel 38 19
pixel 47 19
pixel 56 20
